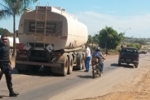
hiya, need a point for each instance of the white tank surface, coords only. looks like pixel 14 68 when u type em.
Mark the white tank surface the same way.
pixel 11 41
pixel 52 26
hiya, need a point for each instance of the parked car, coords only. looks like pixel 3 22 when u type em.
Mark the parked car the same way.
pixel 129 56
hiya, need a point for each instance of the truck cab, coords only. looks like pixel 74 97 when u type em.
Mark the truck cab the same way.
pixel 51 38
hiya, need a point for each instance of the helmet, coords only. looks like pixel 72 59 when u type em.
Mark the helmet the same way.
pixel 98 48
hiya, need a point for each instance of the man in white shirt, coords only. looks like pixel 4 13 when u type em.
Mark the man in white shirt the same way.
pixel 87 58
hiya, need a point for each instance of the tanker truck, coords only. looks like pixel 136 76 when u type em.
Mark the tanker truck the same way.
pixel 51 38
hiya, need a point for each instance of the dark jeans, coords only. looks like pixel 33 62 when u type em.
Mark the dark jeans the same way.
pixel 101 65
pixel 87 63
pixel 5 67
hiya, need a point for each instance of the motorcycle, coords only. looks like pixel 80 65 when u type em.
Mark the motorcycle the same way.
pixel 95 68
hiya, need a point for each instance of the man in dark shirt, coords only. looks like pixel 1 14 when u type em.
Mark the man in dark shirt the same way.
pixel 5 64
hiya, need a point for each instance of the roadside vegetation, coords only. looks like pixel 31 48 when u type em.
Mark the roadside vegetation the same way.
pixel 110 41
pixel 14 8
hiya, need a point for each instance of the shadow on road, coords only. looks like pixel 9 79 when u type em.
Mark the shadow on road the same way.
pixel 85 76
pixel 1 96
pixel 42 73
pixel 38 73
pixel 122 65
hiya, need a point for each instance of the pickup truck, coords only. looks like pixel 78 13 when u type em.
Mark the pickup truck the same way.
pixel 129 56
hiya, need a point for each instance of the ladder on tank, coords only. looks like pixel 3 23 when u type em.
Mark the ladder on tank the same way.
pixel 41 16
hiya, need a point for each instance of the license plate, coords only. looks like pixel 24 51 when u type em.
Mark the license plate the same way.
pixel 128 60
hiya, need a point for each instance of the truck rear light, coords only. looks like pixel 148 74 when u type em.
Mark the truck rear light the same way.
pixel 21 46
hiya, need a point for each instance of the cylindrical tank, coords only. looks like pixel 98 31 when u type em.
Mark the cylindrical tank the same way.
pixel 52 26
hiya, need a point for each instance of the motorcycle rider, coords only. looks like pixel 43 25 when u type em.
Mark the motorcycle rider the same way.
pixel 98 54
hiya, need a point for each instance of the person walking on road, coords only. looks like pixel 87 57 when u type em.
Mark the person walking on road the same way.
pixel 87 58
pixel 5 64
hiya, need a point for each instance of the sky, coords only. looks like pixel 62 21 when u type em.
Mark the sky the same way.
pixel 129 16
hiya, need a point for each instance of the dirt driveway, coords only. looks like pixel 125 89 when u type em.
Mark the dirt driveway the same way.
pixel 135 88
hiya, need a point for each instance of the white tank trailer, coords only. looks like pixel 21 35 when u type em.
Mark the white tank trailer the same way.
pixel 49 37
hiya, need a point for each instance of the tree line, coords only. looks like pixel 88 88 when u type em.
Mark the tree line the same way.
pixel 108 38
pixel 4 31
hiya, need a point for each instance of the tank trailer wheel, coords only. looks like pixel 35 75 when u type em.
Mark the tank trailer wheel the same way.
pixel 70 67
pixel 63 69
pixel 80 62
pixel 64 66
pixel 93 73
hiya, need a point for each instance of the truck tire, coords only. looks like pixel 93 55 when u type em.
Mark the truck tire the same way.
pixel 80 62
pixel 83 63
pixel 70 67
pixel 93 74
pixel 63 69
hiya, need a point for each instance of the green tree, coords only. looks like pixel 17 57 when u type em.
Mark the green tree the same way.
pixel 4 31
pixel 90 39
pixel 109 38
pixel 93 40
pixel 12 8
pixel 96 39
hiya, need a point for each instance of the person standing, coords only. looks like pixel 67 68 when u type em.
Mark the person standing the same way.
pixel 87 58
pixel 5 64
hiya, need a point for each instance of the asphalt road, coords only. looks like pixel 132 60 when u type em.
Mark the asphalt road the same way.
pixel 44 86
